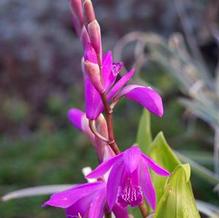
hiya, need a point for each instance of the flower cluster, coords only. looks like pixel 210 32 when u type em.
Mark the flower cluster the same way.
pixel 122 178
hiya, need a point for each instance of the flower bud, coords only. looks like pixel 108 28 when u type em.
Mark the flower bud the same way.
pixel 101 126
pixel 77 13
pixel 88 11
pixel 93 72
pixel 103 149
pixel 95 36
pixel 84 38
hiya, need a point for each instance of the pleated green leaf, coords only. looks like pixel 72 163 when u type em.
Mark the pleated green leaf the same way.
pixel 144 137
pixel 178 200
pixel 174 194
pixel 161 152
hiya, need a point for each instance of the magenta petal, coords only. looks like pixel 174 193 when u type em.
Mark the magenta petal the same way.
pixel 103 167
pixel 120 212
pixel 97 206
pixel 145 96
pixel 75 117
pixel 68 197
pixel 147 186
pixel 107 75
pixel 93 100
pixel 131 158
pixel 110 70
pixel 113 184
pixel 80 207
pixel 79 120
pixel 122 82
pixel 155 167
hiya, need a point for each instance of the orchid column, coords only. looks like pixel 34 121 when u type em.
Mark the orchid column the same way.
pixel 123 178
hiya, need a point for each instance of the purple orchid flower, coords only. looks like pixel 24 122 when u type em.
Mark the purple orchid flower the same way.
pixel 129 178
pixel 145 96
pixel 85 200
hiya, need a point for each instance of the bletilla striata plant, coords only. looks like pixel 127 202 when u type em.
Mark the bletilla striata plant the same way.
pixel 123 178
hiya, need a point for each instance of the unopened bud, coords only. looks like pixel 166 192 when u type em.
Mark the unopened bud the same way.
pixel 93 72
pixel 103 149
pixel 77 13
pixel 85 39
pixel 95 36
pixel 101 126
pixel 88 11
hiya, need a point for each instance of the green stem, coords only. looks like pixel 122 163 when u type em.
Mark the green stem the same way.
pixel 109 121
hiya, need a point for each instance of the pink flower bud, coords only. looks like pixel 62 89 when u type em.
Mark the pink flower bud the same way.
pixel 101 146
pixel 85 39
pixel 89 11
pixel 77 13
pixel 93 72
pixel 95 36
pixel 101 126
pixel 103 149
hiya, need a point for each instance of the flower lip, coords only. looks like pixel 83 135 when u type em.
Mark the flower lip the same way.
pixel 130 195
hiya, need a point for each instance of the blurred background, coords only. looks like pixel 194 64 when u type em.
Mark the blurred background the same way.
pixel 40 79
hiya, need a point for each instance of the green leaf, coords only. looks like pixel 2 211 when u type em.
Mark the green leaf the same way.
pixel 144 137
pixel 161 152
pixel 178 200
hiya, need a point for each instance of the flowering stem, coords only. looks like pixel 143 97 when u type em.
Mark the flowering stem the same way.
pixel 109 121
pixel 143 210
